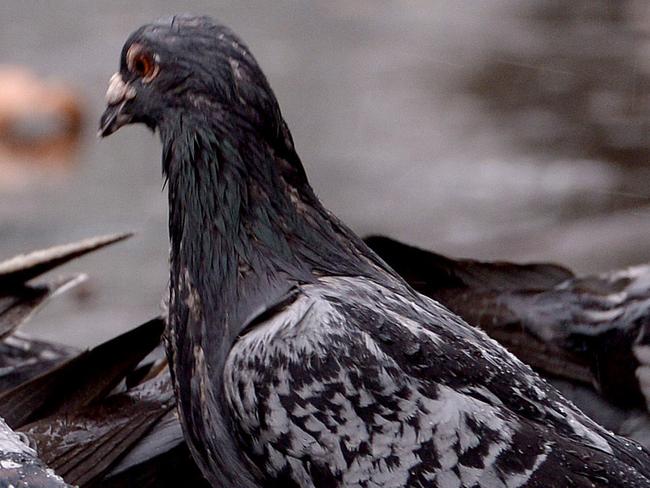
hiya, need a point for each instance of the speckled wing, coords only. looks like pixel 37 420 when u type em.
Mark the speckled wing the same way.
pixel 19 466
pixel 357 384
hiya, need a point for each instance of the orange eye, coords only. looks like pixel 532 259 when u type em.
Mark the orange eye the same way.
pixel 142 63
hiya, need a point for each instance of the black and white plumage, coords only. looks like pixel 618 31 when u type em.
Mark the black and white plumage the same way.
pixel 20 466
pixel 299 358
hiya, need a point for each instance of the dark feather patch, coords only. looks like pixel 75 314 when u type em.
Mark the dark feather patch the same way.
pixel 82 379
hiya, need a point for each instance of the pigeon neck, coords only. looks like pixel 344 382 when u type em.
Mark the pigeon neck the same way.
pixel 245 226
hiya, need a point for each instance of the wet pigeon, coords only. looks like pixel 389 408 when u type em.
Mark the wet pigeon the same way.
pixel 299 358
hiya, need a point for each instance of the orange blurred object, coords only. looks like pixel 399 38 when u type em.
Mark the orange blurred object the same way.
pixel 40 124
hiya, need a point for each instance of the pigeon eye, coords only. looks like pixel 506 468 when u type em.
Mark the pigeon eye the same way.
pixel 142 63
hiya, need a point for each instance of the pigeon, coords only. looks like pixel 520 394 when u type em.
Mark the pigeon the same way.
pixel 298 356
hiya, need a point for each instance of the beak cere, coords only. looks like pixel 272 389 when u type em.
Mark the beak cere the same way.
pixel 118 91
pixel 117 95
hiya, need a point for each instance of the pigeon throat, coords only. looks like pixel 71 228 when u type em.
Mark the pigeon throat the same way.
pixel 245 225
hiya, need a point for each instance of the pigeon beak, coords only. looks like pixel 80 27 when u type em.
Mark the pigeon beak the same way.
pixel 115 115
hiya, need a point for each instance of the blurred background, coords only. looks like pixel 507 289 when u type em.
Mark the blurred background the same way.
pixel 503 129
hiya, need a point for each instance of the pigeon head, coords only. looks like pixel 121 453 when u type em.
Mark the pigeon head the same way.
pixel 237 188
pixel 186 69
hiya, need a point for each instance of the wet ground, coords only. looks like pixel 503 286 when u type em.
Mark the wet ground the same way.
pixel 500 129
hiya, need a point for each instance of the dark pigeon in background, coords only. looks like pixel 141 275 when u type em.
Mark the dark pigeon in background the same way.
pixel 589 335
pixel 22 292
pixel 100 417
pixel 299 358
